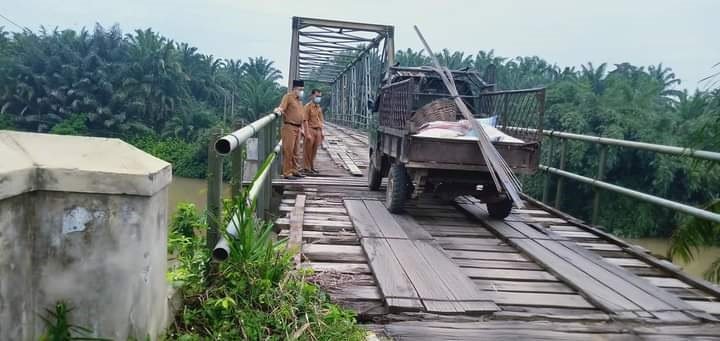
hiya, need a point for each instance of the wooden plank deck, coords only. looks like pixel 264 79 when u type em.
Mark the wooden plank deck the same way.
pixel 534 267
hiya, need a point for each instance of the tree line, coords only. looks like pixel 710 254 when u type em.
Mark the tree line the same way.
pixel 166 97
pixel 161 95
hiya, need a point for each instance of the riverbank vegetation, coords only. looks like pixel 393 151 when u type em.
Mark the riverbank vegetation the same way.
pixel 253 295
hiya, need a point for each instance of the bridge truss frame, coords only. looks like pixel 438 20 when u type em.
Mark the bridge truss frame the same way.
pixel 350 57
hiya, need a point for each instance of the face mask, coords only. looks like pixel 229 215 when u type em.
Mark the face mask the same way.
pixel 301 93
pixel 317 99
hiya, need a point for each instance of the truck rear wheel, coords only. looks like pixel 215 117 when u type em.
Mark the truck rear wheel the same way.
pixel 500 209
pixel 398 188
pixel 374 175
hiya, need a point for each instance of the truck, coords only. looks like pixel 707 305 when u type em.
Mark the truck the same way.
pixel 417 165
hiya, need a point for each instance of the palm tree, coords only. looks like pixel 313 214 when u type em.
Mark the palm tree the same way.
pixel 260 68
pixel 666 78
pixel 259 90
pixel 454 61
pixel 695 233
pixel 411 58
pixel 595 77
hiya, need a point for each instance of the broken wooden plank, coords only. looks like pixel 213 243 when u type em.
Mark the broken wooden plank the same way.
pixel 339 209
pixel 334 253
pixel 316 224
pixel 350 164
pixel 350 268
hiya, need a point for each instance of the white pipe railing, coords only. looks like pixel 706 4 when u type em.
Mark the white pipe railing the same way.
pixel 228 143
pixel 221 251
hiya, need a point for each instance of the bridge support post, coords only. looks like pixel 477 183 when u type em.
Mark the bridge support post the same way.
pixel 600 177
pixel 214 192
pixel 546 179
pixel 559 188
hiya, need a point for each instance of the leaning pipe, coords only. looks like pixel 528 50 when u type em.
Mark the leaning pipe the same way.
pixel 222 249
pixel 228 143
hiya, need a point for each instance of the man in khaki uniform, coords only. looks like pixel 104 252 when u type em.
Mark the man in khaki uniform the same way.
pixel 313 130
pixel 293 114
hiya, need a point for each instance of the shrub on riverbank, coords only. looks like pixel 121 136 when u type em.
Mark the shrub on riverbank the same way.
pixel 255 294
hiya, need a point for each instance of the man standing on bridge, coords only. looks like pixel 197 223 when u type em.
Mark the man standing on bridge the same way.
pixel 293 114
pixel 313 131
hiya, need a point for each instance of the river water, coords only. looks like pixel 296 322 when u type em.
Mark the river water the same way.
pixel 195 191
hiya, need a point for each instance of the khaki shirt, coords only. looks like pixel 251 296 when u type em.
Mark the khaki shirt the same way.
pixel 292 109
pixel 314 115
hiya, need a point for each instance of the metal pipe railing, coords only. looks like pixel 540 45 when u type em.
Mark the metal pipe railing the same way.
pixel 658 148
pixel 697 212
pixel 221 251
pixel 598 184
pixel 229 142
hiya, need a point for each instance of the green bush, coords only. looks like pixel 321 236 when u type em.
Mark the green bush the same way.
pixel 75 125
pixel 253 295
pixel 186 157
pixel 6 122
pixel 186 220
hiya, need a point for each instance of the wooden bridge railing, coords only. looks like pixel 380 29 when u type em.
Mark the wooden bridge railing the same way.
pixel 234 145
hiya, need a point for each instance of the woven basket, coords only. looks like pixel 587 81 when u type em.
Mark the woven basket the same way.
pixel 442 109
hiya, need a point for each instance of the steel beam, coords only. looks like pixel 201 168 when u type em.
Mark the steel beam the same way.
pixel 294 48
pixel 338 36
pixel 332 46
pixel 305 22
pixel 325 53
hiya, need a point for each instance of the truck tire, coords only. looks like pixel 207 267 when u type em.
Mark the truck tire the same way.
pixel 374 175
pixel 500 209
pixel 398 188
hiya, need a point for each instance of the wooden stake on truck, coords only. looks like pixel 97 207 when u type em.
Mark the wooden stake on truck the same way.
pixel 496 164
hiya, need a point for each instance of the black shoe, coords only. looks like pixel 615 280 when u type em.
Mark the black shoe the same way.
pixel 314 171
pixel 299 175
pixel 291 177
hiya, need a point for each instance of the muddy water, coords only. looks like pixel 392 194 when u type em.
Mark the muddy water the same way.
pixel 195 191
pixel 702 261
pixel 189 190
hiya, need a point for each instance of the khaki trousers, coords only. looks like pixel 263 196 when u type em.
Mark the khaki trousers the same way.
pixel 289 136
pixel 313 139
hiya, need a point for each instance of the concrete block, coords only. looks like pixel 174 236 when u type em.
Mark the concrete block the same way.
pixel 83 220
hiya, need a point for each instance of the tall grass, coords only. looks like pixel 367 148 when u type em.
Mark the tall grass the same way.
pixel 253 295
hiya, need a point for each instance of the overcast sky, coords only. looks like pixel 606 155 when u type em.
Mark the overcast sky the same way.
pixel 680 34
